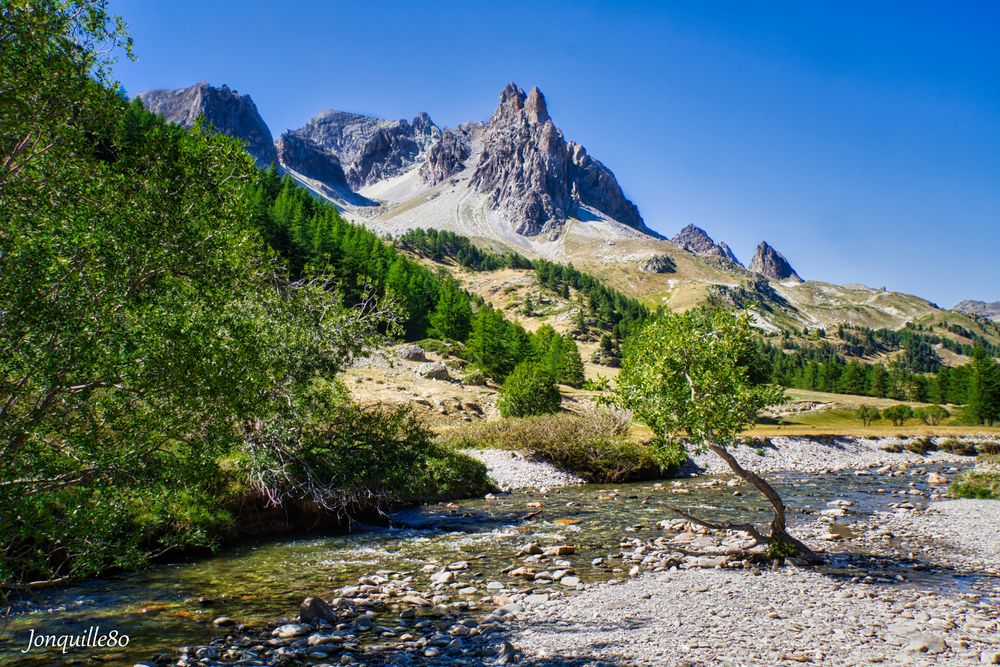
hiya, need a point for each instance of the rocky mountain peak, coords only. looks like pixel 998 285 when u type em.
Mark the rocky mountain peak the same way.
pixel 772 264
pixel 696 240
pixel 369 149
pixel 538 179
pixel 224 109
pixel 535 107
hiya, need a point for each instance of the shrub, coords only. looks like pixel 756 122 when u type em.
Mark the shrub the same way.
pixel 599 383
pixel 475 378
pixel 977 484
pixel 988 447
pixel 596 446
pixel 529 390
pixel 959 447
pixel 345 458
pixel 919 446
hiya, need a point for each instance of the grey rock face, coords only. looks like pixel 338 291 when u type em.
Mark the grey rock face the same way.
pixel 658 264
pixel 224 109
pixel 370 149
pixel 536 178
pixel 447 157
pixel 310 159
pixel 694 239
pixel 594 185
pixel 989 311
pixel 772 264
pixel 727 253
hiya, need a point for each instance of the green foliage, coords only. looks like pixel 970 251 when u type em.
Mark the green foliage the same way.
pixel 958 447
pixel 496 345
pixel 339 456
pixel 605 307
pixel 452 316
pixel 529 390
pixel 599 383
pixel 868 413
pixel 441 245
pixel 156 357
pixel 919 446
pixel 559 355
pixel 932 415
pixel 595 446
pixel 984 388
pixel 898 414
pixel 691 374
pixel 982 484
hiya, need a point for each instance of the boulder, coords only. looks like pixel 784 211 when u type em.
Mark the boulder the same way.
pixel 433 370
pixel 290 630
pixel 658 264
pixel 411 353
pixel 316 612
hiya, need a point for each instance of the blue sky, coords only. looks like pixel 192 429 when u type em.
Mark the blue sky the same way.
pixel 861 139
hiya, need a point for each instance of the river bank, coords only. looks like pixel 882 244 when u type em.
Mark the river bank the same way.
pixel 920 614
pixel 498 579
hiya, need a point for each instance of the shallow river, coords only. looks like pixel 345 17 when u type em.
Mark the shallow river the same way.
pixel 159 609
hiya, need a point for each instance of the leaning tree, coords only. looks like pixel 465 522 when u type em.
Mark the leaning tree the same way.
pixel 691 378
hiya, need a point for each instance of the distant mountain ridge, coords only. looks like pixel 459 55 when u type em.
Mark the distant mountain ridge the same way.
pixel 989 311
pixel 513 182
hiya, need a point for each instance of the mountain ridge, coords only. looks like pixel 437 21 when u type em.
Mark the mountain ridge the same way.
pixel 514 182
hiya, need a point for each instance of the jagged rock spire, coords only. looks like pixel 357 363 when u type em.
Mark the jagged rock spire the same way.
pixel 772 264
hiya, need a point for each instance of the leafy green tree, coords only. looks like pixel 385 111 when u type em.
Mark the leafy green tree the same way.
pixel 868 413
pixel 452 316
pixel 898 413
pixel 682 376
pixel 932 415
pixel 529 390
pixel 154 354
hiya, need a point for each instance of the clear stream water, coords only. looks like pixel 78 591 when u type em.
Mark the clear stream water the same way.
pixel 255 583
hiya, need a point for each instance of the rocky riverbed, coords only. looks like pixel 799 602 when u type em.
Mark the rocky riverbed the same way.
pixel 828 453
pixel 512 470
pixel 931 599
pixel 585 574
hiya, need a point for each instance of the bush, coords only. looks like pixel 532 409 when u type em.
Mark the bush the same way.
pixel 919 446
pixel 475 378
pixel 959 447
pixel 977 484
pixel 529 390
pixel 344 458
pixel 596 446
pixel 446 474
pixel 988 447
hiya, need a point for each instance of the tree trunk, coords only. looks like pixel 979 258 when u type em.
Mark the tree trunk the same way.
pixel 779 533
